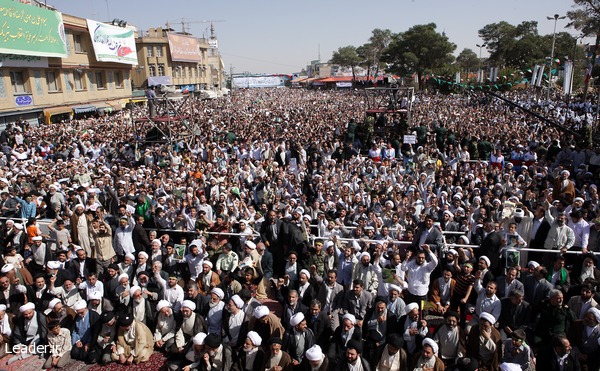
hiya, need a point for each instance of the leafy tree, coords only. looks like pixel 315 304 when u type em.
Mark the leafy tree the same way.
pixel 518 46
pixel 585 17
pixel 370 53
pixel 347 57
pixel 420 50
pixel 467 60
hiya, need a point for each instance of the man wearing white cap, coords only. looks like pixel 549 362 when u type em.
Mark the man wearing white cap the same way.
pixel 80 234
pixel 192 323
pixel 233 321
pixel 485 342
pixel 298 340
pixel 346 331
pixel 166 327
pixel 315 359
pixel 63 314
pixel 122 291
pixel 365 271
pixel 428 359
pixel 252 356
pixel 41 254
pixel 123 239
pixel 209 279
pixel 84 335
pixel 265 323
pixel 196 353
pixel 413 330
pixel 214 319
pixel 30 328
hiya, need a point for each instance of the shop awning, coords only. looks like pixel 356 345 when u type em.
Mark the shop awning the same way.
pixel 138 100
pixel 84 108
pixel 57 110
pixel 104 107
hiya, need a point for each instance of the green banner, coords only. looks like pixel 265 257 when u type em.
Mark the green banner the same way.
pixel 30 30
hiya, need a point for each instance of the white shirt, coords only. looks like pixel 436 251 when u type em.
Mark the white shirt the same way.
pixel 417 276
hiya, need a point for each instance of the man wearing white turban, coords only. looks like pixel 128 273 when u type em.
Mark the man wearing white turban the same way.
pixel 83 335
pixel 192 323
pixel 252 356
pixel 428 359
pixel 30 328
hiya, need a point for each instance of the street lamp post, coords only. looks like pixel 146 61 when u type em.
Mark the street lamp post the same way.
pixel 479 77
pixel 556 17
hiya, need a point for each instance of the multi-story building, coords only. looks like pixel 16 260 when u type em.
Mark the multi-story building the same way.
pixel 179 59
pixel 41 89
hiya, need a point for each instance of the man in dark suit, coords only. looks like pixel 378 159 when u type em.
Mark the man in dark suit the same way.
pixel 559 352
pixel 539 231
pixel 320 323
pixel 515 313
pixel 490 245
pixel 11 295
pixel 291 306
pixel 505 284
pixel 536 286
pixel 271 234
pixel 427 234
pixel 30 329
pixel 299 340
pixel 265 268
pixel 82 266
pixel 141 242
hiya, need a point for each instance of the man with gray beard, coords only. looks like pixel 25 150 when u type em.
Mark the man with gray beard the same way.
pixel 140 308
pixel 191 324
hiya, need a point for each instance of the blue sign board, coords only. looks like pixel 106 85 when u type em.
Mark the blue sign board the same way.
pixel 24 100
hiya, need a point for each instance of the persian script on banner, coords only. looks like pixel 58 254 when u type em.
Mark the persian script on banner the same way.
pixel 112 43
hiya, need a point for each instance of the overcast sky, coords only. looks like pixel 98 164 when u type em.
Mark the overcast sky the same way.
pixel 269 36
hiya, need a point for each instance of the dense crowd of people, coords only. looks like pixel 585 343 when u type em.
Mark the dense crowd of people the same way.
pixel 471 249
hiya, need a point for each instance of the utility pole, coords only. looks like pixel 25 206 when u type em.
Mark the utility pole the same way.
pixel 556 17
pixel 479 75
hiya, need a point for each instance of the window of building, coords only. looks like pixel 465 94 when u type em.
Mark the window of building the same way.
pixel 151 70
pixel 177 71
pixel 161 70
pixel 78 80
pixel 100 80
pixel 17 80
pixel 150 51
pixel 52 81
pixel 118 79
pixel 183 72
pixel 159 51
pixel 77 41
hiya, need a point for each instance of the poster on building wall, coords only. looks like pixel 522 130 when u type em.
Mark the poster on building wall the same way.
pixel 184 48
pixel 16 60
pixel 30 30
pixel 112 43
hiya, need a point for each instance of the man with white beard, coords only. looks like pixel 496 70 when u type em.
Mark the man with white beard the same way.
pixel 141 309
pixel 164 335
pixel 68 292
pixel 235 321
pixel 123 292
pixel 192 324
pixel 215 312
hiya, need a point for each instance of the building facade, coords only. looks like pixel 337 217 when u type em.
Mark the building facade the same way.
pixel 158 66
pixel 41 89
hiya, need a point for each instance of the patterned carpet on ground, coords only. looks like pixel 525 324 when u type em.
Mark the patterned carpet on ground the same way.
pixel 157 362
pixel 30 364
